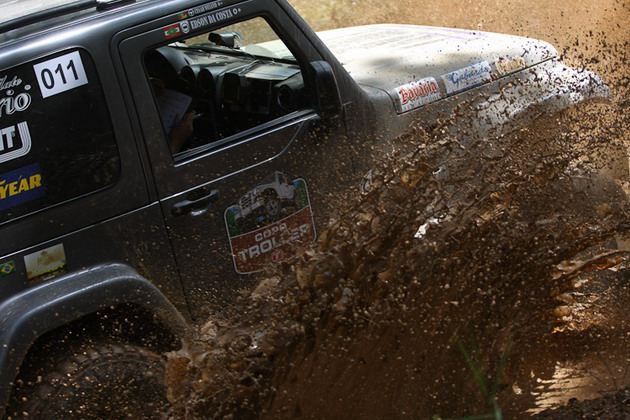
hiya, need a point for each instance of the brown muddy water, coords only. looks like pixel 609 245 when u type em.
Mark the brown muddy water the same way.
pixel 514 299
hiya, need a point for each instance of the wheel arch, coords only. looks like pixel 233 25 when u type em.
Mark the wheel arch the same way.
pixel 76 301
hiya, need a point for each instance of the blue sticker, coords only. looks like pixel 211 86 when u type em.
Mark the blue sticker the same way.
pixel 468 77
pixel 20 186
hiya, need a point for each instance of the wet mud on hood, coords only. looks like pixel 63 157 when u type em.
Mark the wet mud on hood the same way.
pixel 417 65
pixel 430 61
pixel 379 55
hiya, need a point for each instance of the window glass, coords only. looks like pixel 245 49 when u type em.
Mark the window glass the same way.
pixel 56 137
pixel 212 86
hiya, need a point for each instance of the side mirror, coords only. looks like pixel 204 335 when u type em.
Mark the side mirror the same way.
pixel 327 98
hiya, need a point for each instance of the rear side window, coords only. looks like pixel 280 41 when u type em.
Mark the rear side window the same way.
pixel 56 136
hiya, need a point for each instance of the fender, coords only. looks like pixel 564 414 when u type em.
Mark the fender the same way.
pixel 41 309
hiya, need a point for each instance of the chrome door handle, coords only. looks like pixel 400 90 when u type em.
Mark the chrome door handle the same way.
pixel 195 206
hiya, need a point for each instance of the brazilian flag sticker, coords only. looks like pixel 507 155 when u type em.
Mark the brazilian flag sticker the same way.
pixel 7 268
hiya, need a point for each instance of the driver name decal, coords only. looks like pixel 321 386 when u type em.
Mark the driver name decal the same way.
pixel 269 222
pixel 206 20
pixel 195 11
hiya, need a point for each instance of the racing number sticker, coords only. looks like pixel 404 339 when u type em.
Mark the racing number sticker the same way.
pixel 60 74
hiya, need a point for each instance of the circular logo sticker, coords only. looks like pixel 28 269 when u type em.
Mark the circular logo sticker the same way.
pixel 277 255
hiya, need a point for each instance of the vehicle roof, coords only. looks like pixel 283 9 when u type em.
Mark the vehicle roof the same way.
pixel 20 19
pixel 14 9
pixel 20 14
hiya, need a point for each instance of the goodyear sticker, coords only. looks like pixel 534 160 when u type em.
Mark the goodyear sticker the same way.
pixel 20 186
pixel 268 223
pixel 45 264
pixel 7 268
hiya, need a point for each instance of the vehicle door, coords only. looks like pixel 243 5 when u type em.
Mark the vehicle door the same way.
pixel 67 155
pixel 241 158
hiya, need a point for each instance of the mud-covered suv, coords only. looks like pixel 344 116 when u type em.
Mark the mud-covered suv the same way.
pixel 130 130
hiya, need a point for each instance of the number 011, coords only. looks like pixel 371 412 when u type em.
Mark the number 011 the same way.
pixel 60 74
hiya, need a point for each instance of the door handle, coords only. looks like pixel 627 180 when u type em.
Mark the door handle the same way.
pixel 195 206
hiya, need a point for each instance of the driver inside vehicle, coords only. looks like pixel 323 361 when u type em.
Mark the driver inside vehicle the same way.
pixel 216 85
pixel 174 104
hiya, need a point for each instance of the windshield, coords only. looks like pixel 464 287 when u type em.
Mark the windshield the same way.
pixel 253 38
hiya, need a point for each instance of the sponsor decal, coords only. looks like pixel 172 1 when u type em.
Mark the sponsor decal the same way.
pixel 13 101
pixel 7 268
pixel 210 19
pixel 418 93
pixel 6 84
pixel 20 186
pixel 185 27
pixel 505 65
pixel 172 31
pixel 45 264
pixel 15 141
pixel 269 222
pixel 60 74
pixel 467 77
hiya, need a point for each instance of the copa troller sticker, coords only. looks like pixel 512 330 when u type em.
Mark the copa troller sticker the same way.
pixel 268 223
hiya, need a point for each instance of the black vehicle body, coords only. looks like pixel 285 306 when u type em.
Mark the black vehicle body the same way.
pixel 121 225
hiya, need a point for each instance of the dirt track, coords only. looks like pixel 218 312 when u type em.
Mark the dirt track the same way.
pixel 501 279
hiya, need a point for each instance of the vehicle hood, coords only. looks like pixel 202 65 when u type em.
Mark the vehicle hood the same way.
pixel 430 62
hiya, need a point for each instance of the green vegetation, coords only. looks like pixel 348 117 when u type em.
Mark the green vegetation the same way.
pixel 489 392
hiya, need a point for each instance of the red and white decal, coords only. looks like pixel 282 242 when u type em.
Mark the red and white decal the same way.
pixel 172 31
pixel 418 93
pixel 273 243
pixel 269 223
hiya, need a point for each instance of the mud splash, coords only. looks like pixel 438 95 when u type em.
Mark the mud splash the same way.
pixel 509 261
pixel 450 244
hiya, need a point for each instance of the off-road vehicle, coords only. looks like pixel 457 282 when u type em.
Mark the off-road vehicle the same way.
pixel 129 130
pixel 268 195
